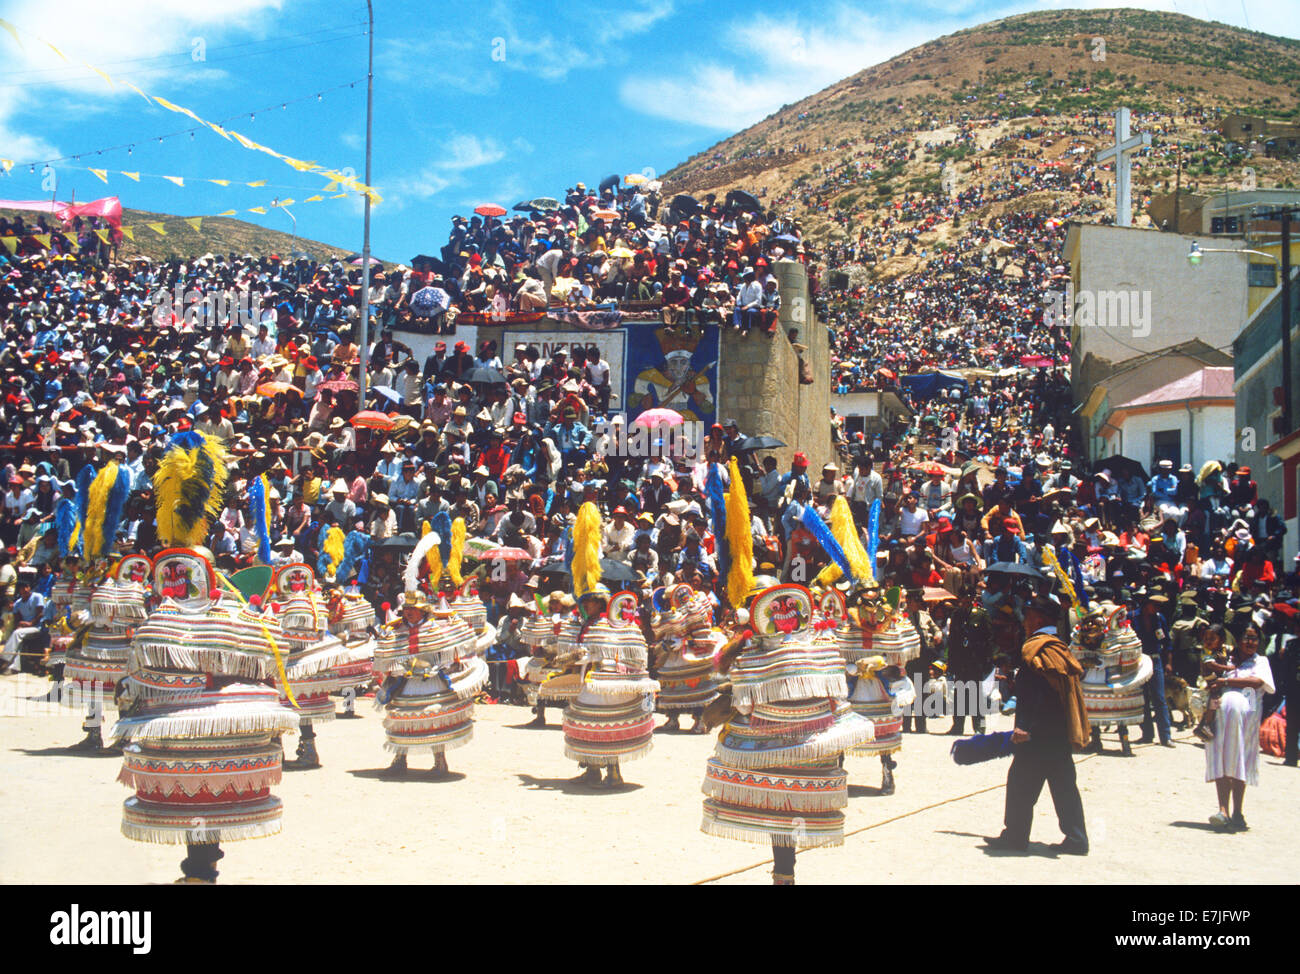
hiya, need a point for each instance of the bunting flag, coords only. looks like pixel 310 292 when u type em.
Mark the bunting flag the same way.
pixel 129 233
pixel 10 244
pixel 157 228
pixel 220 182
pixel 301 165
pixel 102 234
pixel 6 164
pixel 132 175
pixel 179 181
pixel 196 222
pixel 101 173
pixel 43 239
pixel 257 209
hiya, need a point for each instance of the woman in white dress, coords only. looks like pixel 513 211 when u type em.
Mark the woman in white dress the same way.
pixel 1232 757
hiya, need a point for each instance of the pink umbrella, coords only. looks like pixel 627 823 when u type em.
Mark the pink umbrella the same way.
pixel 490 209
pixel 659 417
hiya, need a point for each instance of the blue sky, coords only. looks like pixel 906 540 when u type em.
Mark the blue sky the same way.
pixel 477 102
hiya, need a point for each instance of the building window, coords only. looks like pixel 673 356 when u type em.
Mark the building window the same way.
pixel 1167 445
pixel 1261 275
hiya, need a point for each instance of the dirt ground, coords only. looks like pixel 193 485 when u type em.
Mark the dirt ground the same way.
pixel 511 814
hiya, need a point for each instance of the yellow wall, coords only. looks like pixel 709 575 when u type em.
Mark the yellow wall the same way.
pixel 1255 296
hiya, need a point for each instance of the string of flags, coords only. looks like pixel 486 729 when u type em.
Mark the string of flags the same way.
pixel 345 179
pixel 160 226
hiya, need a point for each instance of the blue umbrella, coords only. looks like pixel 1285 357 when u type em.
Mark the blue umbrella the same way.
pixel 392 394
pixel 428 301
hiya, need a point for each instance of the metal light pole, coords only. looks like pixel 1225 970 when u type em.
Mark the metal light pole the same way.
pixel 365 243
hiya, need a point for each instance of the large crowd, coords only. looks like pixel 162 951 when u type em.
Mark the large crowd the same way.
pixel 100 363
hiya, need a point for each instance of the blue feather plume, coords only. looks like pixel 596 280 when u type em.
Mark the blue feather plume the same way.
pixel 84 479
pixel 982 747
pixel 65 522
pixel 718 511
pixel 323 561
pixel 114 507
pixel 441 526
pixel 257 508
pixel 873 532
pixel 355 547
pixel 817 527
pixel 657 599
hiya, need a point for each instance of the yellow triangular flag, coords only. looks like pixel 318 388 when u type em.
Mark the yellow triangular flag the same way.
pixel 12 32
pixel 138 92
pixel 339 196
pixel 101 173
pixel 177 108
pixel 299 164
pixel 102 234
pixel 196 222
pixel 227 213
pixel 220 182
pixel 314 199
pixel 257 209
pixel 246 143
pixel 131 175
pixel 157 228
pixel 179 181
pixel 285 203
pixel 333 185
pixel 256 182
pixel 128 232
pixel 43 239
pixel 10 243
pixel 219 130
pixel 7 164
pixel 102 74
pixel 56 50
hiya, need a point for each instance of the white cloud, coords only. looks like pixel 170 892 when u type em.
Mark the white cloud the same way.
pixel 461 154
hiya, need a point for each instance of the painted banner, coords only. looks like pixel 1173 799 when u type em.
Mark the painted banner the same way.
pixel 612 346
pixel 674 368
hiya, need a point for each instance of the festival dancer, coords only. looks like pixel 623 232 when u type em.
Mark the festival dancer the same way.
pixel 551 679
pixel 431 672
pixel 686 643
pixel 1115 669
pixel 200 709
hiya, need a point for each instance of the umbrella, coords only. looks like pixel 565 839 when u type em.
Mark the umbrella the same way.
pixel 932 593
pixel 684 204
pixel 488 376
pixel 738 199
pixel 604 214
pixel 983 472
pixel 622 253
pixel 1014 568
pixel 505 554
pixel 1121 467
pixel 273 389
pixel 659 417
pixel 474 547
pixel 406 541
pixel 750 443
pixel 634 179
pixel 373 261
pixel 373 419
pixel 388 393
pixel 788 238
pixel 490 209
pixel 338 385
pixel 609 182
pixel 428 301
pixel 610 570
pixel 545 203
pixel 930 468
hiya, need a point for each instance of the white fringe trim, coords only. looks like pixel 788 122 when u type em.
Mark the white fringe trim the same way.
pixel 831 743
pixel 220 662
pixel 393 747
pixel 318 660
pixel 605 760
pixel 205 722
pixel 630 687
pixel 723 830
pixel 165 836
pixel 748 795
pixel 789 688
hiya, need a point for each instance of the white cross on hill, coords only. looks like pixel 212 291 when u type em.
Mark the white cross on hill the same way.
pixel 1122 151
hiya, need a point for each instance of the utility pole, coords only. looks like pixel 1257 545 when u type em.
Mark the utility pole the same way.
pixel 365 243
pixel 1286 322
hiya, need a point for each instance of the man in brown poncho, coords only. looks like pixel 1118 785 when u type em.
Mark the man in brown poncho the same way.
pixel 1051 723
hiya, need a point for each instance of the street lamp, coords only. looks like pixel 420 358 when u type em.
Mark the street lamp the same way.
pixel 1194 255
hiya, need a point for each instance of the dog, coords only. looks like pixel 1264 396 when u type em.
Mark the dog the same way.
pixel 1187 700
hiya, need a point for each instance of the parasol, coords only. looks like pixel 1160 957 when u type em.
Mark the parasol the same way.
pixel 273 389
pixel 604 214
pixel 490 209
pixel 751 443
pixel 338 385
pixel 372 419
pixel 659 417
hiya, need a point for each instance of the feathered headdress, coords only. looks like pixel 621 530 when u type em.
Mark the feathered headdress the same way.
pixel 107 499
pixel 331 553
pixel 845 530
pixel 810 519
pixel 188 488
pixel 740 540
pixel 67 525
pixel 355 547
pixel 85 477
pixel 259 506
pixel 426 548
pixel 873 534
pixel 586 549
pixel 457 551
pixel 1067 583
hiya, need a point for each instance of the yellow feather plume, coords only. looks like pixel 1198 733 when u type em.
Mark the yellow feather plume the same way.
pixel 740 539
pixel 1052 562
pixel 334 547
pixel 457 551
pixel 845 530
pixel 433 558
pixel 188 489
pixel 586 549
pixel 96 505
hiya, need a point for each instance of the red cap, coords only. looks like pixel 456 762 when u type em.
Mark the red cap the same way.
pixel 1011 525
pixel 519 419
pixel 462 347
pixel 440 346
pixel 800 460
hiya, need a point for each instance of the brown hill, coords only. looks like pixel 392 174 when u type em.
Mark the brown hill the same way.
pixel 1029 79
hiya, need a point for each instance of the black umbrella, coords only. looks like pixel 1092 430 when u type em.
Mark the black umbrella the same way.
pixel 609 182
pixel 488 376
pixel 406 541
pixel 683 205
pixel 1014 568
pixel 432 263
pixel 1120 467
pixel 545 203
pixel 758 443
pixel 738 199
pixel 610 570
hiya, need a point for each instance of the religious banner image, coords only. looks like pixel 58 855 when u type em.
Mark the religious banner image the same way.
pixel 673 368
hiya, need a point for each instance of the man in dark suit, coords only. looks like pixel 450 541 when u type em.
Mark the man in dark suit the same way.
pixel 1051 722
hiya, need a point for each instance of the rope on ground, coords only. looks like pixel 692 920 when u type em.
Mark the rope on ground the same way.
pixel 875 825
